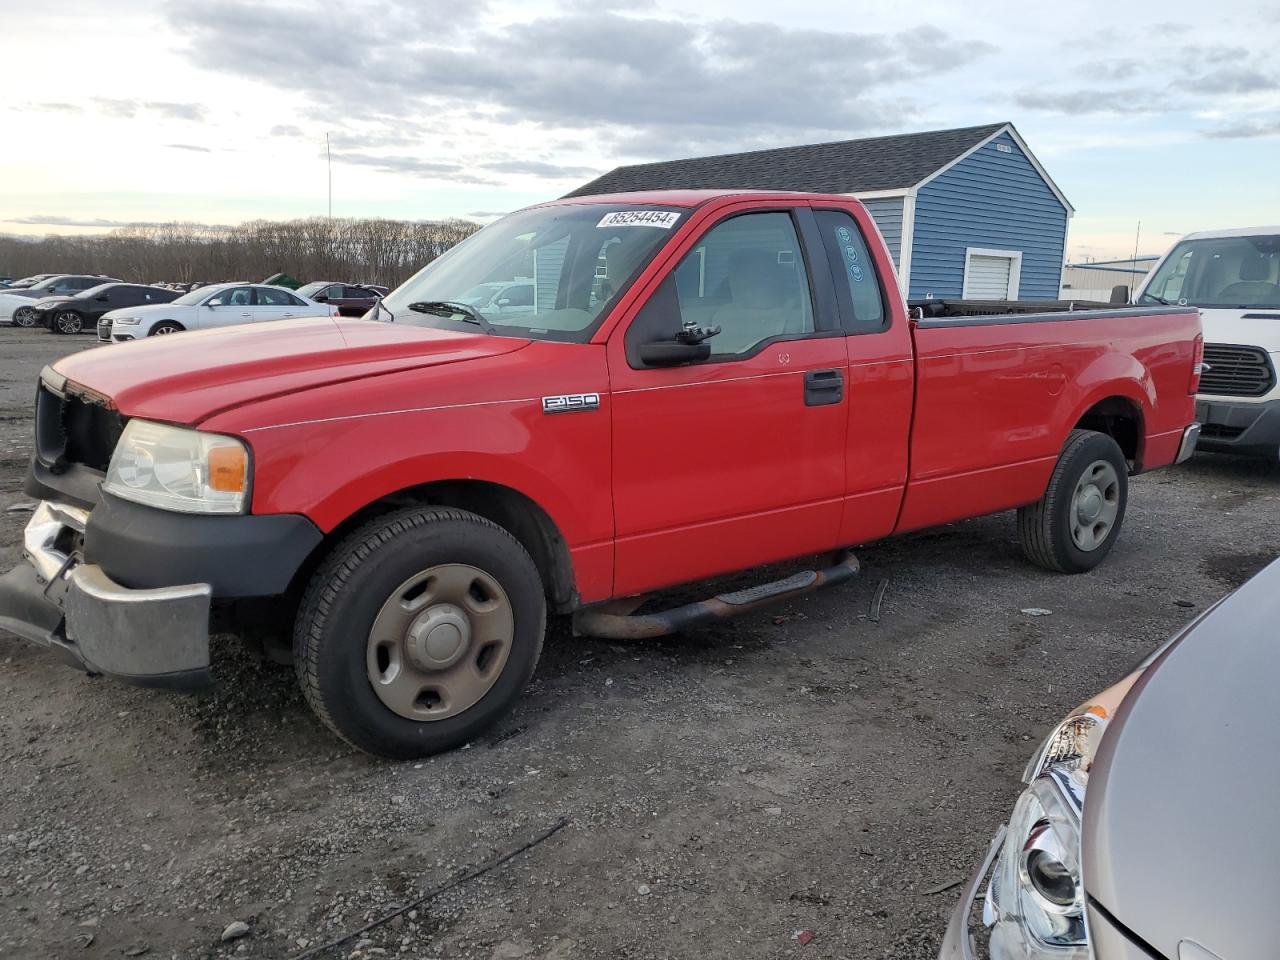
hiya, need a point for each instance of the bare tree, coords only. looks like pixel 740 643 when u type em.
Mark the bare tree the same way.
pixel 367 251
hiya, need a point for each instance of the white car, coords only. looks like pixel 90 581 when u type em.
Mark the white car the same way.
pixel 1233 276
pixel 206 308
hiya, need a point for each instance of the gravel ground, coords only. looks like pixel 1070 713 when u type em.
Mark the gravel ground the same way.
pixel 803 769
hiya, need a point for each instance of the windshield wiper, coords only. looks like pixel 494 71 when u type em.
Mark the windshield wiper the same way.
pixel 453 308
pixel 1160 300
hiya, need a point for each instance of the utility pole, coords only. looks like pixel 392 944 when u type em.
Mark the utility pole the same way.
pixel 329 160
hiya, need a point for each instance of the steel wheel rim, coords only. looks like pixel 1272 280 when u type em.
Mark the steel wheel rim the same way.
pixel 440 642
pixel 1095 505
pixel 24 317
pixel 69 322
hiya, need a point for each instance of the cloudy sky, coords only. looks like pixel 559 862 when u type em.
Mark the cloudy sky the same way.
pixel 216 110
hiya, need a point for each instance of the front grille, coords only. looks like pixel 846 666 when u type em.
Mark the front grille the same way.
pixel 74 429
pixel 1236 371
pixel 104 330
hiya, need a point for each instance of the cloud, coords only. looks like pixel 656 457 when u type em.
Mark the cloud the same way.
pixel 177 111
pixel 1245 129
pixel 55 220
pixel 286 130
pixel 1129 100
pixel 587 71
pixel 188 146
pixel 126 109
pixel 540 168
pixel 487 214
pixel 116 108
pixel 414 166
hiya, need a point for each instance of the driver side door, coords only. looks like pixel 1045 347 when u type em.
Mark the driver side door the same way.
pixel 739 459
pixel 228 308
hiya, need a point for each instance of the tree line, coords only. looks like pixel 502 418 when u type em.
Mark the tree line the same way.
pixel 357 250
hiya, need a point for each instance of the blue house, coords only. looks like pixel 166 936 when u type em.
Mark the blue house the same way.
pixel 967 213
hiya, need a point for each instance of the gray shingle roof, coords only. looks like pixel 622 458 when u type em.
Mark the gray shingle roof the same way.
pixel 846 166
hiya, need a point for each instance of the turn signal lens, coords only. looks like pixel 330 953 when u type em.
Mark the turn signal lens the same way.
pixel 1197 364
pixel 228 469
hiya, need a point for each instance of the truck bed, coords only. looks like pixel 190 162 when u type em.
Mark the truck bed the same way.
pixel 996 393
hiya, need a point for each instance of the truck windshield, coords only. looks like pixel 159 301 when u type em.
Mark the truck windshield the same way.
pixel 1225 272
pixel 548 272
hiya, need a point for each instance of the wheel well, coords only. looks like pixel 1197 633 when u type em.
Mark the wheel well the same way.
pixel 161 322
pixel 1120 419
pixel 509 509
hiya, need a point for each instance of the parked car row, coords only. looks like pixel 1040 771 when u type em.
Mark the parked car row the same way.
pixel 17 303
pixel 117 311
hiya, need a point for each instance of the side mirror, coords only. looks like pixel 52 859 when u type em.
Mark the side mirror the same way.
pixel 103 299
pixel 215 302
pixel 1120 294
pixel 504 302
pixel 673 353
pixel 321 298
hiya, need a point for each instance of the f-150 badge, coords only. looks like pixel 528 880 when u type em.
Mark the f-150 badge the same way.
pixel 571 403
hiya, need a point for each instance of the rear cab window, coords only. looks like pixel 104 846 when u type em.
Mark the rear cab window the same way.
pixel 859 290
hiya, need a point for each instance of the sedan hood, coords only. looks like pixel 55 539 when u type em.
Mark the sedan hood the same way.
pixel 188 377
pixel 1180 833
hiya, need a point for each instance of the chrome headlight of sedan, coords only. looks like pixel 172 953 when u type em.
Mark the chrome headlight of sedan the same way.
pixel 126 320
pixel 1034 905
pixel 175 468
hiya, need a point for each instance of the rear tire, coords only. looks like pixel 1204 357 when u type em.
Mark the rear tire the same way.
pixel 1073 527
pixel 165 327
pixel 418 631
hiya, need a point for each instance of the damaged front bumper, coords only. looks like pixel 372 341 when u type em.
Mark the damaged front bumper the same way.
pixel 151 637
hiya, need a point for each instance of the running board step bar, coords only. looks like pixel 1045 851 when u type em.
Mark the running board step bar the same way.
pixel 607 622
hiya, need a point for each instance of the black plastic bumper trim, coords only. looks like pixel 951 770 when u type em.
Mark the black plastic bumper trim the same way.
pixel 238 556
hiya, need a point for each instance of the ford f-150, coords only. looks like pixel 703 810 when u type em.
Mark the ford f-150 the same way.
pixel 706 382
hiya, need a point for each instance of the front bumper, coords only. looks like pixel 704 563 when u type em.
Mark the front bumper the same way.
pixel 1251 429
pixel 957 943
pixel 152 637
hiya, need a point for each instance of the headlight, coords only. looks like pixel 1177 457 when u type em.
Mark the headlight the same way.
pixel 179 469
pixel 127 320
pixel 1035 900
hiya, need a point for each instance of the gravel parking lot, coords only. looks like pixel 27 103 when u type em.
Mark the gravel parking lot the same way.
pixel 804 769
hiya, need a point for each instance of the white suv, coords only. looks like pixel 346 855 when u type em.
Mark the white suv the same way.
pixel 1233 276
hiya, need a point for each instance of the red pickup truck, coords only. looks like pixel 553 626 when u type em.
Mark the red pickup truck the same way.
pixel 705 382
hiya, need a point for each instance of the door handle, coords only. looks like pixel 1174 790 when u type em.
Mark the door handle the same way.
pixel 823 387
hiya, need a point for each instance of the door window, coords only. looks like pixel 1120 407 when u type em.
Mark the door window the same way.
pixel 747 277
pixel 273 298
pixel 235 297
pixel 859 292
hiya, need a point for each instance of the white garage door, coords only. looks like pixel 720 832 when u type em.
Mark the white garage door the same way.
pixel 991 276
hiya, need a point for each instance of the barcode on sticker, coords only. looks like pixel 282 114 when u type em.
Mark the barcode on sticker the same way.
pixel 639 218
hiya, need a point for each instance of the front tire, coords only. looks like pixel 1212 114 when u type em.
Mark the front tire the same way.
pixel 67 322
pixel 418 631
pixel 165 327
pixel 1074 525
pixel 24 317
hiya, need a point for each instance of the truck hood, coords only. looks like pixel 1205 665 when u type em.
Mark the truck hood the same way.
pixel 188 377
pixel 1254 327
pixel 1180 834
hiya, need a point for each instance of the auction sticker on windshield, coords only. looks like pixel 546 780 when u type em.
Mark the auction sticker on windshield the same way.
pixel 665 219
